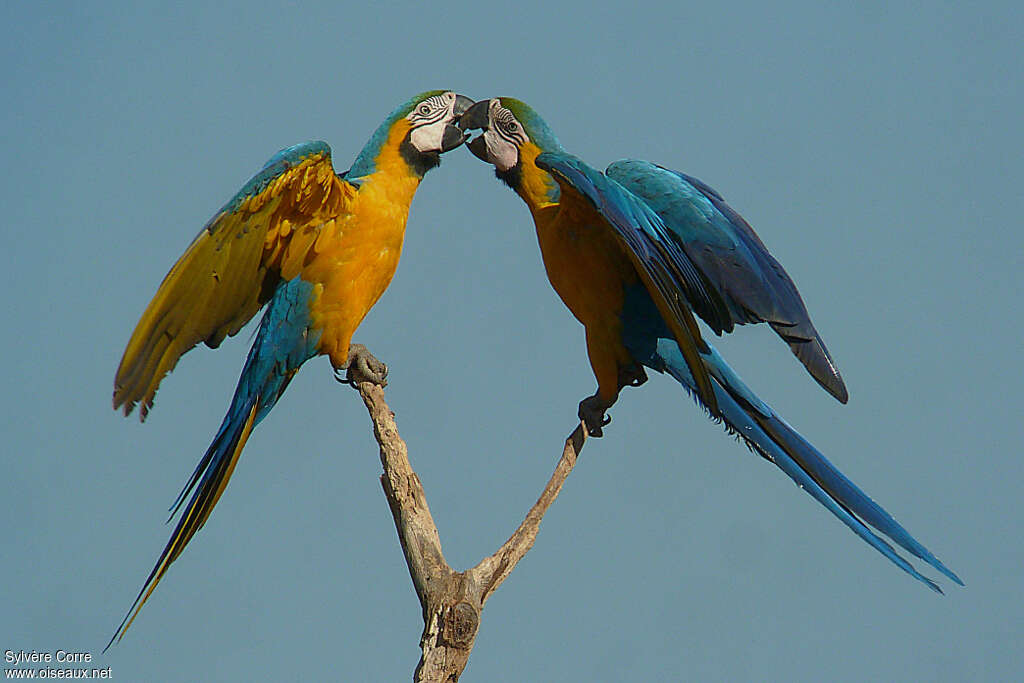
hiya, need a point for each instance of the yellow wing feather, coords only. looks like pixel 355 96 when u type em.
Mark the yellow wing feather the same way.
pixel 228 272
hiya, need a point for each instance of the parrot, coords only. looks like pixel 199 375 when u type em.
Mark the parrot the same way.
pixel 637 253
pixel 316 248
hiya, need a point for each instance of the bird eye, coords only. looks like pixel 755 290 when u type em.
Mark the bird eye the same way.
pixel 424 109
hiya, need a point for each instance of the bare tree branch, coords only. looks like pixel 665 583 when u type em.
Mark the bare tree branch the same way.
pixel 417 531
pixel 451 601
pixel 496 568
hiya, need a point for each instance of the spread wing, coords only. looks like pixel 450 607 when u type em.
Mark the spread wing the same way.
pixel 749 285
pixel 231 269
pixel 670 277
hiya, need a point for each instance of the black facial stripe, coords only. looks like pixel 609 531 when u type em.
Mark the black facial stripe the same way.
pixel 507 127
pixel 437 110
pixel 432 117
pixel 516 138
pixel 504 116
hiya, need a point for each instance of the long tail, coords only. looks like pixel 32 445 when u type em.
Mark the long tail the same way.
pixel 283 344
pixel 770 436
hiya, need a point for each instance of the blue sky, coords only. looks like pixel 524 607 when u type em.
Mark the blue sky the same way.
pixel 877 150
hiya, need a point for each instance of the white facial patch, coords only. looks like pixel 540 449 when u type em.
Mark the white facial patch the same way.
pixel 504 136
pixel 428 119
pixel 428 138
pixel 500 152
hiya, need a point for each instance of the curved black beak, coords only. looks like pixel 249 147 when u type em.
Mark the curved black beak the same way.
pixel 478 146
pixel 454 135
pixel 475 117
pixel 462 105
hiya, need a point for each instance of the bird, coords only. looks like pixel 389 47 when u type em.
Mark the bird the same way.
pixel 637 253
pixel 316 248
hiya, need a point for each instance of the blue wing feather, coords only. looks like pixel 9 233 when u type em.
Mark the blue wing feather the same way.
pixel 673 279
pixel 753 420
pixel 751 284
pixel 641 227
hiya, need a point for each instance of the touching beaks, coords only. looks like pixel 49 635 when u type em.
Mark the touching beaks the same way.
pixel 454 135
pixel 476 117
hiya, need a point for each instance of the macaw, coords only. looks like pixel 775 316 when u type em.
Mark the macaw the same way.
pixel 634 253
pixel 319 248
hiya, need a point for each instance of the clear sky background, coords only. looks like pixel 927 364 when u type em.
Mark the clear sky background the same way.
pixel 876 148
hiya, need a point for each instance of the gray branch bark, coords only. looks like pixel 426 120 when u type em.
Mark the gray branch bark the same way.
pixel 452 601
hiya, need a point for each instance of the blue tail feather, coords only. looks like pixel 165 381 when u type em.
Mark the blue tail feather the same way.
pixel 284 342
pixel 769 435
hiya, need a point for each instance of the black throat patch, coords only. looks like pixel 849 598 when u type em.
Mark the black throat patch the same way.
pixel 513 177
pixel 419 162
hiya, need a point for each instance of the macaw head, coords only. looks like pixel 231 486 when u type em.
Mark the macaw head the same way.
pixel 512 136
pixel 432 118
pixel 422 128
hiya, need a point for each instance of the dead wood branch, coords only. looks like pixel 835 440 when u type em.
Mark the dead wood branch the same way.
pixel 452 601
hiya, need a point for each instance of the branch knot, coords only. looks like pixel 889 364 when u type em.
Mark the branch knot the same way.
pixel 459 625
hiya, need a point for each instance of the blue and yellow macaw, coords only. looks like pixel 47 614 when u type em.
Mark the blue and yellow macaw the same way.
pixel 634 252
pixel 316 246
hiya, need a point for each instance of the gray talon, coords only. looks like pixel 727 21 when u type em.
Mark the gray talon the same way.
pixel 362 366
pixel 592 412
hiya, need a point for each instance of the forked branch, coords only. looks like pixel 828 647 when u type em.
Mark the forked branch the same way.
pixel 451 601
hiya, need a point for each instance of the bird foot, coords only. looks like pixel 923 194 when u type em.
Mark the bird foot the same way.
pixel 592 412
pixel 362 366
